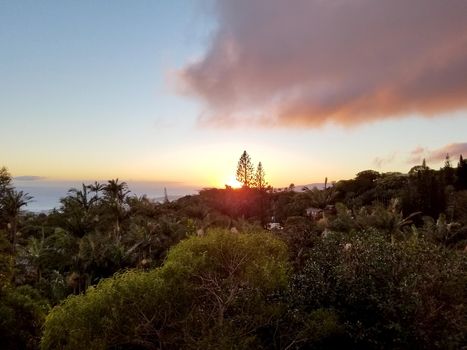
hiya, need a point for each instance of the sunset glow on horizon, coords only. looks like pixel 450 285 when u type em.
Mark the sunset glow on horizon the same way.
pixel 232 182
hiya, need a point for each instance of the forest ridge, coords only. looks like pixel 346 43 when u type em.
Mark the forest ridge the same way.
pixel 374 262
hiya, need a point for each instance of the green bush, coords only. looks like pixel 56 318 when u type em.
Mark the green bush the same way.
pixel 406 295
pixel 22 314
pixel 211 290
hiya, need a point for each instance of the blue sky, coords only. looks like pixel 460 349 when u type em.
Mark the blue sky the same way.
pixel 87 92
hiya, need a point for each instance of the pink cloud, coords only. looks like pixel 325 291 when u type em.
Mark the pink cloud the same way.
pixel 454 150
pixel 309 62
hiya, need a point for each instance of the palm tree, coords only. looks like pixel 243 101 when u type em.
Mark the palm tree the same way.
pixel 321 198
pixel 80 197
pixel 77 206
pixel 11 206
pixel 96 187
pixel 35 253
pixel 5 180
pixel 389 220
pixel 115 193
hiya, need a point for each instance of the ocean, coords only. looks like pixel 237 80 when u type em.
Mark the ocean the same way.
pixel 47 193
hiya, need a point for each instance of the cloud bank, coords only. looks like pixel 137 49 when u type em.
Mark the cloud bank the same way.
pixel 304 63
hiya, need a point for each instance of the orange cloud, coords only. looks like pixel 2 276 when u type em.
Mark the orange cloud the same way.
pixel 310 62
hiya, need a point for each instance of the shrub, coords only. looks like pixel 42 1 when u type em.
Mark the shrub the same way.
pixel 211 290
pixel 406 295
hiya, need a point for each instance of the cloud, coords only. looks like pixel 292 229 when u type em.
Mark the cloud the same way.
pixel 309 62
pixel 418 151
pixel 29 178
pixel 417 155
pixel 379 162
pixel 453 149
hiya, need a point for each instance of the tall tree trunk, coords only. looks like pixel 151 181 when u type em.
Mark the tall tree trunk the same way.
pixel 13 230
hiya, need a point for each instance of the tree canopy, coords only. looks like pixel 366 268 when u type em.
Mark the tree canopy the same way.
pixel 209 292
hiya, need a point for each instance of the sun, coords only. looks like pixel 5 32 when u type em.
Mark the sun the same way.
pixel 232 182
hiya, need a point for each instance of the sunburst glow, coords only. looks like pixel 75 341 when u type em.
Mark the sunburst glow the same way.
pixel 232 182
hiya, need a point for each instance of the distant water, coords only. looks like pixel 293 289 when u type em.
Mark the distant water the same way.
pixel 46 194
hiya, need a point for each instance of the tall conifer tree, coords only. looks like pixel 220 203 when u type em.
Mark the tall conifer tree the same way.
pixel 245 170
pixel 462 173
pixel 260 177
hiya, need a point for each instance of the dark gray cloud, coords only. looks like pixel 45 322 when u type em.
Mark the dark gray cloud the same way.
pixel 29 178
pixel 379 162
pixel 308 62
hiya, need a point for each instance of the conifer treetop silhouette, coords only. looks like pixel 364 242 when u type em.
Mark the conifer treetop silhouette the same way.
pixel 245 171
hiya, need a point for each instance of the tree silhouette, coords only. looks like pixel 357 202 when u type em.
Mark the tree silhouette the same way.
pixel 115 194
pixel 96 188
pixel 5 180
pixel 5 187
pixel 448 171
pixel 424 163
pixel 11 208
pixel 447 161
pixel 260 181
pixel 81 197
pixel 245 170
pixel 77 207
pixel 166 197
pixel 115 191
pixel 462 173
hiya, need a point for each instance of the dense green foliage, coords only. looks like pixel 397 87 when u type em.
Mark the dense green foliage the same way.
pixel 22 313
pixel 373 262
pixel 210 292
pixel 406 295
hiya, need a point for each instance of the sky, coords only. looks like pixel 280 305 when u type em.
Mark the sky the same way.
pixel 175 91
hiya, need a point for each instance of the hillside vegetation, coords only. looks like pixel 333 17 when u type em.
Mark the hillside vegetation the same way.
pixel 375 262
